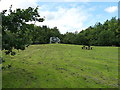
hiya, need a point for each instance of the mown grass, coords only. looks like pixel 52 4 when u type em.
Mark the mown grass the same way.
pixel 62 66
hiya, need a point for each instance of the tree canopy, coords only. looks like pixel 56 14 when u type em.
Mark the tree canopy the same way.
pixel 15 30
pixel 106 34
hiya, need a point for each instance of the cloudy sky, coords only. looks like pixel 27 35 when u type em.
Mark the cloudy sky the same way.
pixel 68 15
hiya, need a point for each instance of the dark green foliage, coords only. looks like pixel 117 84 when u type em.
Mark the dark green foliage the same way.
pixel 69 38
pixel 41 35
pixel 106 38
pixel 15 31
pixel 106 34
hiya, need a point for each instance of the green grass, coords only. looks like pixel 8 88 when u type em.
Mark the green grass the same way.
pixel 62 66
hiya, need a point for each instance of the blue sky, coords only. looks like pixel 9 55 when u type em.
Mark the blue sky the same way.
pixel 82 15
pixel 66 15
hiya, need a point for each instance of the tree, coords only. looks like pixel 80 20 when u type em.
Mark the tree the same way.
pixel 81 39
pixel 105 34
pixel 41 35
pixel 15 30
pixel 69 38
pixel 106 38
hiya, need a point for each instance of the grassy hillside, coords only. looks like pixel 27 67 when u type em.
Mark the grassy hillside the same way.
pixel 62 66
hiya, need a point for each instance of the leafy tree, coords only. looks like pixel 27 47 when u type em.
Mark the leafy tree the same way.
pixel 105 34
pixel 69 38
pixel 106 38
pixel 41 35
pixel 15 30
pixel 81 39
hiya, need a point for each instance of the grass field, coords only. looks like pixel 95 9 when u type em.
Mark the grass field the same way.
pixel 62 66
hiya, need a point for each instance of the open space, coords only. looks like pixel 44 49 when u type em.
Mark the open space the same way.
pixel 62 66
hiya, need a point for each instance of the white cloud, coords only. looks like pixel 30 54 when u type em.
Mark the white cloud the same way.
pixel 5 4
pixel 66 19
pixel 111 9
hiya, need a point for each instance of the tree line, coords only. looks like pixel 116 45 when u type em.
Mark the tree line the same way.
pixel 106 34
pixel 17 34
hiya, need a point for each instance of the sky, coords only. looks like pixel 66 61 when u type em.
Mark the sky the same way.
pixel 68 15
